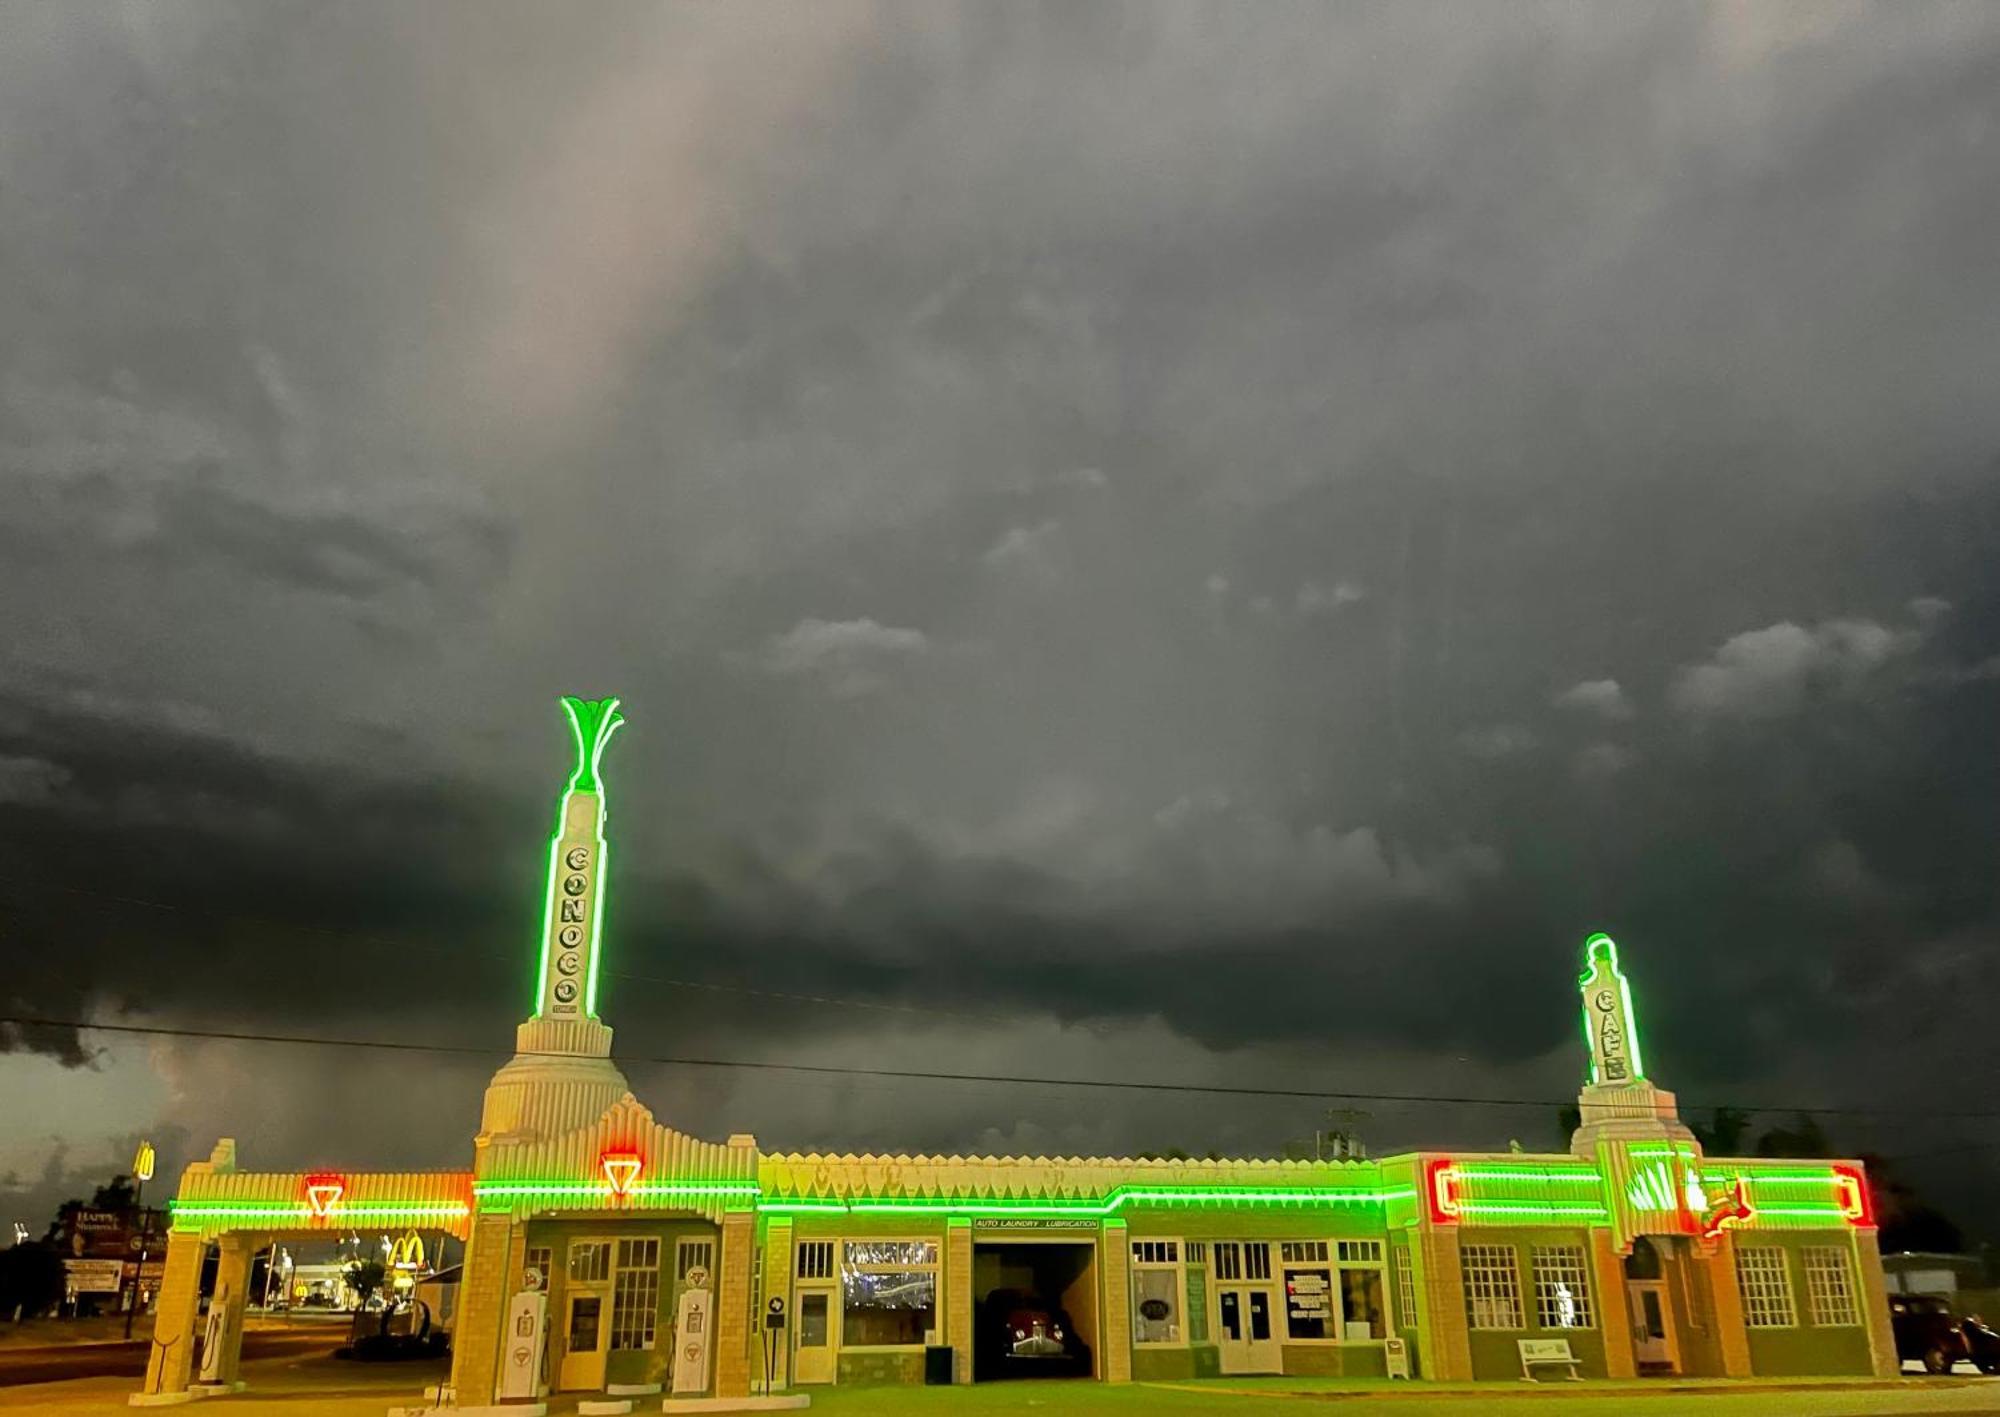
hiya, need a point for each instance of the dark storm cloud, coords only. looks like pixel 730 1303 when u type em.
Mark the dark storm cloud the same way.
pixel 1227 530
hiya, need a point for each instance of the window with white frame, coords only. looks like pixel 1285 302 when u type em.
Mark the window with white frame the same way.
pixel 1492 1287
pixel 1157 1287
pixel 1238 1260
pixel 1197 1252
pixel 888 1293
pixel 1363 1313
pixel 1406 1289
pixel 635 1294
pixel 1562 1287
pixel 589 1261
pixel 694 1254
pixel 1766 1286
pixel 1309 1290
pixel 815 1259
pixel 1830 1287
pixel 537 1260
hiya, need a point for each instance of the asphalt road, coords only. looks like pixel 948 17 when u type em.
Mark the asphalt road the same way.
pixel 128 1360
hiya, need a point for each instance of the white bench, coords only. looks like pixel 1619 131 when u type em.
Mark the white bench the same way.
pixel 1549 1351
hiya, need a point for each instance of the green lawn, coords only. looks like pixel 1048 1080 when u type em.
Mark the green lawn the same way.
pixel 1300 1398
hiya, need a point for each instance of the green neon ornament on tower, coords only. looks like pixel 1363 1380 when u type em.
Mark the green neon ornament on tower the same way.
pixel 573 914
pixel 1610 1027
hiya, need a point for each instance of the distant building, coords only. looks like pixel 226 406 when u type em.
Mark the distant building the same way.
pixel 1911 1272
pixel 608 1251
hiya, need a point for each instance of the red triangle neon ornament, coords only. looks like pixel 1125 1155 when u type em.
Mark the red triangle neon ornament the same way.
pixel 621 1169
pixel 323 1193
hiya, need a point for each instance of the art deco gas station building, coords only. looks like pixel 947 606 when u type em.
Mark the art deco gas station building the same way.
pixel 608 1253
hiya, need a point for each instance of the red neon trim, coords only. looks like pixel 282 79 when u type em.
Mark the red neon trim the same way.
pixel 323 1193
pixel 1441 1191
pixel 621 1169
pixel 1732 1210
pixel 1850 1188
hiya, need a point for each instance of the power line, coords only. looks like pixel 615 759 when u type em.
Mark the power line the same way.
pixel 923 1075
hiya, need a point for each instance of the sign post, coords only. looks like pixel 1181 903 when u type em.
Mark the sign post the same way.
pixel 142 1172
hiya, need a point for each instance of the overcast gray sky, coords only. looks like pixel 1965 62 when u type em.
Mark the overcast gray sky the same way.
pixel 1203 543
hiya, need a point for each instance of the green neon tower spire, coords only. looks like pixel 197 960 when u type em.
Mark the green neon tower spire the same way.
pixel 573 902
pixel 1610 1026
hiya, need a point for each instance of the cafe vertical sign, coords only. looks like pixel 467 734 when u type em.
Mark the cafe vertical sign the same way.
pixel 1608 1022
pixel 574 910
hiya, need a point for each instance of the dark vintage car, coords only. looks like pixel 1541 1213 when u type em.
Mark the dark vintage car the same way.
pixel 1021 1334
pixel 1928 1331
pixel 1981 1343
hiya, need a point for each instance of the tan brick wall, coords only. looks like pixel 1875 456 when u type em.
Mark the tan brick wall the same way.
pixel 732 1302
pixel 482 1309
pixel 1114 1323
pixel 1445 1347
pixel 958 1300
pixel 1614 1309
pixel 777 1285
pixel 232 1291
pixel 1875 1304
pixel 167 1364
pixel 1726 1303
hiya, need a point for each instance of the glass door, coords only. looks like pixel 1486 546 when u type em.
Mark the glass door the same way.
pixel 813 1351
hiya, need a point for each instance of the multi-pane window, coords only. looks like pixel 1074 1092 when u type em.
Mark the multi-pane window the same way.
pixel 1766 1286
pixel 1228 1259
pixel 1492 1287
pixel 635 1294
pixel 815 1259
pixel 1406 1289
pixel 589 1261
pixel 1256 1261
pixel 695 1254
pixel 1197 1252
pixel 1362 1313
pixel 1562 1287
pixel 888 1292
pixel 1830 1287
pixel 1156 1291
pixel 1308 1290
pixel 536 1262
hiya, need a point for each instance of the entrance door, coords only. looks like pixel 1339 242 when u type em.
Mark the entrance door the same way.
pixel 1246 1308
pixel 812 1347
pixel 1247 1341
pixel 587 1342
pixel 1652 1325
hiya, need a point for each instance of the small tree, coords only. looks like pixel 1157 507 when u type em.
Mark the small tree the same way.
pixel 364 1277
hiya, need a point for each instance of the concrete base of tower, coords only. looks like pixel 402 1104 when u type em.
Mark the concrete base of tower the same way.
pixel 561 1077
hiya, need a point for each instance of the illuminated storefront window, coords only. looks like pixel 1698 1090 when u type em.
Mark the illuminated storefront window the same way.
pixel 1562 1287
pixel 888 1293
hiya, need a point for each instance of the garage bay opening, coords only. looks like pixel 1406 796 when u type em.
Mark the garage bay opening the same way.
pixel 1034 1306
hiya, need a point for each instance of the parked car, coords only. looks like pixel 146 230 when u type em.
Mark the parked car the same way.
pixel 1982 1344
pixel 1021 1334
pixel 1927 1331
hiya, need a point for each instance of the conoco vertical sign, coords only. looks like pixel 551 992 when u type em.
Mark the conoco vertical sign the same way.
pixel 576 870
